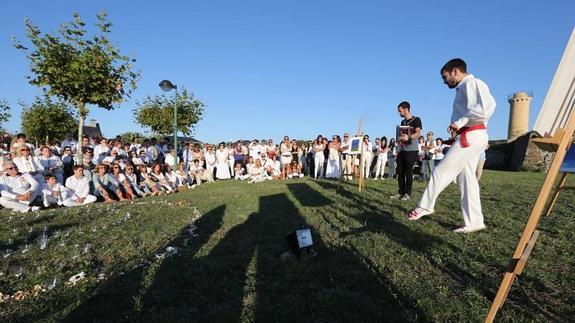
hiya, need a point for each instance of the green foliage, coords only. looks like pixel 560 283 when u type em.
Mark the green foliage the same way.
pixel 79 68
pixel 157 113
pixel 130 136
pixel 45 119
pixel 5 114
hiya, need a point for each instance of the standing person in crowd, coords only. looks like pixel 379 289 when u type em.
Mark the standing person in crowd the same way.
pixel 286 157
pixel 391 156
pixel 418 168
pixel 222 169
pixel 439 148
pixel 187 156
pixel 51 164
pixel 333 169
pixel 79 188
pixel 69 141
pixel 239 157
pixel 101 151
pixel 20 142
pixel 318 148
pixel 407 151
pixel 325 156
pixel 346 157
pixel 210 157
pixel 231 159
pixel 428 156
pixel 472 108
pixel 18 191
pixel 381 158
pixel 295 153
pixel 367 156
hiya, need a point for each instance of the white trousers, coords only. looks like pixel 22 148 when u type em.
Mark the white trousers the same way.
pixel 319 158
pixel 72 202
pixel 380 166
pixel 459 163
pixel 367 159
pixel 346 168
pixel 15 205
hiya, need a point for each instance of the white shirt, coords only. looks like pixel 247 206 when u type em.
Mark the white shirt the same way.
pixel 12 186
pixel 72 143
pixel 51 163
pixel 80 186
pixel 48 190
pixel 347 144
pixel 27 165
pixel 473 103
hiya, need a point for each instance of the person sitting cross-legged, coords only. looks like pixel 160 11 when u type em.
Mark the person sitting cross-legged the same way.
pixel 79 188
pixel 18 191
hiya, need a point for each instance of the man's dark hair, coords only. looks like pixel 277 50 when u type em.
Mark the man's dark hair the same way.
pixel 456 63
pixel 78 166
pixel 21 135
pixel 405 105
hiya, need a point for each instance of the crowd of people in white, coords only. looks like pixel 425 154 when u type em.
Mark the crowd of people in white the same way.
pixel 113 170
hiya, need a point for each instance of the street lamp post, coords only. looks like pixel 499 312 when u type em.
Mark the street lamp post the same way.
pixel 167 86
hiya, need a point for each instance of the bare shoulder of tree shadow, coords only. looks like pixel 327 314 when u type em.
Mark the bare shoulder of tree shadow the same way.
pixel 307 196
pixel 117 299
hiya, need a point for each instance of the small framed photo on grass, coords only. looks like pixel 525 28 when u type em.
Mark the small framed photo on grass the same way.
pixel 355 147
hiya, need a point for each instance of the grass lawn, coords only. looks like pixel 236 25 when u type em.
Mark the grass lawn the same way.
pixel 372 263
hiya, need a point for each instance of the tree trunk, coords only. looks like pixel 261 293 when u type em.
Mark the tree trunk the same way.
pixel 83 113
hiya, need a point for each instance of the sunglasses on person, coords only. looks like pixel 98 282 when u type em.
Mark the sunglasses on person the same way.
pixel 10 168
pixel 116 167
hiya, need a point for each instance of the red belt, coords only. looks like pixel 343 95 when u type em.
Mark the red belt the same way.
pixel 462 132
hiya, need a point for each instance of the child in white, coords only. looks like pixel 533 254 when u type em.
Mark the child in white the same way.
pixel 53 192
pixel 79 185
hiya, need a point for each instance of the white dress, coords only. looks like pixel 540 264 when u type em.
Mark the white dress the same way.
pixel 333 169
pixel 222 168
pixel 210 161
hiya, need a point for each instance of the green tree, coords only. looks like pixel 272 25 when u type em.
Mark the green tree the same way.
pixel 4 113
pixel 81 69
pixel 130 136
pixel 157 113
pixel 45 119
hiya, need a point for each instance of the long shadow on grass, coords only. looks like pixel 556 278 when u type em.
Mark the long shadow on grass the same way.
pixel 243 279
pixel 307 196
pixel 118 299
pixel 378 221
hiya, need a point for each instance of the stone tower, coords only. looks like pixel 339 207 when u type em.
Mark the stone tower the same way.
pixel 519 104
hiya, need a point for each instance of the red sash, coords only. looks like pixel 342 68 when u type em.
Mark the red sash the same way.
pixel 462 132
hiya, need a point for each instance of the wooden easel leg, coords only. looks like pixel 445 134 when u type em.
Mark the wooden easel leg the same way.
pixel 508 280
pixel 556 193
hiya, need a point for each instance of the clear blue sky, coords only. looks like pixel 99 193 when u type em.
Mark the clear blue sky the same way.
pixel 301 68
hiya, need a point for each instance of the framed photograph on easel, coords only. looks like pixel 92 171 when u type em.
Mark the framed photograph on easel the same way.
pixel 355 146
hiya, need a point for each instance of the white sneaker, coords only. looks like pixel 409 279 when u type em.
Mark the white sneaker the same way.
pixel 396 197
pixel 35 208
pixel 469 230
pixel 406 197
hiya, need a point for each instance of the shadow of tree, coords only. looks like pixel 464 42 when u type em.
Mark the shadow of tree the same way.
pixel 118 299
